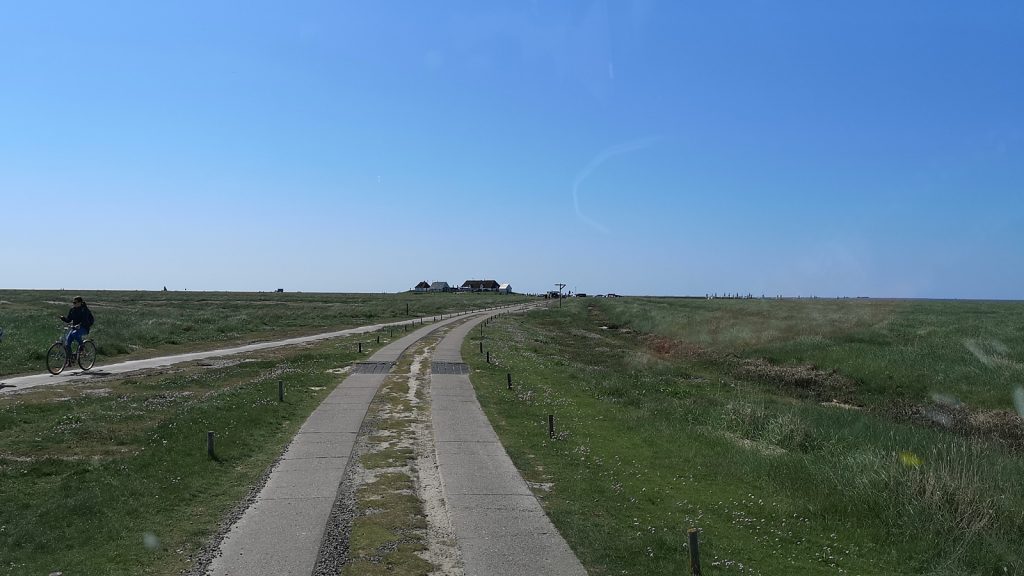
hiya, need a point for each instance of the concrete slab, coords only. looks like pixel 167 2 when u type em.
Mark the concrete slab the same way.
pixel 505 502
pixel 310 464
pixel 321 445
pixel 480 474
pixel 306 481
pixel 357 381
pixel 351 396
pixel 545 555
pixel 456 429
pixel 276 537
pixel 340 417
pixel 470 447
pixel 515 524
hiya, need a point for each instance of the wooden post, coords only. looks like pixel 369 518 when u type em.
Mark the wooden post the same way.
pixel 378 338
pixel 280 390
pixel 360 344
pixel 406 308
pixel 551 426
pixel 691 535
pixel 509 380
pixel 488 356
pixel 209 444
pixel 481 347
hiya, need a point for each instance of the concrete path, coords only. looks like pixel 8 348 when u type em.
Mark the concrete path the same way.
pixel 14 384
pixel 281 532
pixel 501 528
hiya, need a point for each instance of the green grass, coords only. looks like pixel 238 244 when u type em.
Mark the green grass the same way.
pixel 389 529
pixel 656 435
pixel 908 349
pixel 114 478
pixel 146 324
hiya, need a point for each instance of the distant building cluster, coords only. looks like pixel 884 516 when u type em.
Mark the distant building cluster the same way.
pixel 467 286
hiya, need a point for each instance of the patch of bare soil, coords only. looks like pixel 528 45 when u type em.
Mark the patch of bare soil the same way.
pixel 804 380
pixel 1003 426
pixel 671 348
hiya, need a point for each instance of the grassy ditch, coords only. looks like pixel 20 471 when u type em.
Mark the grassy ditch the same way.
pixel 144 324
pixel 113 477
pixel 650 443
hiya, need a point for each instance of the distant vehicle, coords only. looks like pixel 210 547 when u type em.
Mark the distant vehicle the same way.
pixel 611 295
pixel 581 295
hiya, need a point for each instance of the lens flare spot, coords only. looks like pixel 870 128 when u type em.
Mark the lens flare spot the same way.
pixel 910 460
pixel 150 541
pixel 1018 400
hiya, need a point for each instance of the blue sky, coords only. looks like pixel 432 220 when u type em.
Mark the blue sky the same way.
pixel 645 147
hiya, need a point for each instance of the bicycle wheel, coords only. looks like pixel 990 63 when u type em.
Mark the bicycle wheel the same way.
pixel 86 355
pixel 56 358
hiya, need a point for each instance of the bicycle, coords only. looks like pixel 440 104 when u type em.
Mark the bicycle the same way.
pixel 57 356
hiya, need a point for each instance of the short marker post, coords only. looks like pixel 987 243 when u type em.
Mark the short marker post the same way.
pixel 488 356
pixel 280 390
pixel 691 536
pixel 209 444
pixel 360 344
pixel 509 374
pixel 551 426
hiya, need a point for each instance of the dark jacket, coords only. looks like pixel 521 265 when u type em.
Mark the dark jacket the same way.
pixel 79 317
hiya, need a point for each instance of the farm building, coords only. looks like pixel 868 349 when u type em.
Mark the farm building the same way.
pixel 440 287
pixel 422 287
pixel 505 288
pixel 480 286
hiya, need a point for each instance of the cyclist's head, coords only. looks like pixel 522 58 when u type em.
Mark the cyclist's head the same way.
pixel 78 300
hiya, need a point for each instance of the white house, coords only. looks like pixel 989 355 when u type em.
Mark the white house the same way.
pixel 505 289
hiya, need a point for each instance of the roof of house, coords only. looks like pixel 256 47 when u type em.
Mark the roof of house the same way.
pixel 480 284
pixel 423 284
pixel 503 286
pixel 439 285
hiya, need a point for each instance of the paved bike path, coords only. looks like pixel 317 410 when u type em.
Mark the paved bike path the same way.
pixel 501 528
pixel 281 531
pixel 14 384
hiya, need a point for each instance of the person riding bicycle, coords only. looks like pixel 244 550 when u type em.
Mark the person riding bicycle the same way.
pixel 81 320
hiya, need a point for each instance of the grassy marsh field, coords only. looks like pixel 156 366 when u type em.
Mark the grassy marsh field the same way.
pixel 801 437
pixel 112 476
pixel 133 325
